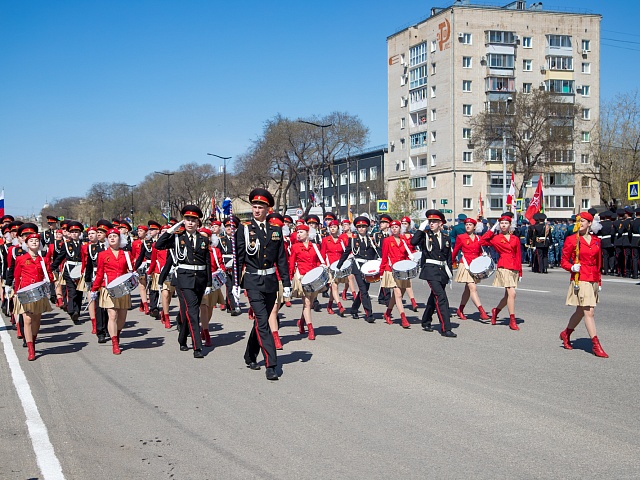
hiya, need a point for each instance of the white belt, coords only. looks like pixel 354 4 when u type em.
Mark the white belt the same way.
pixel 267 271
pixel 440 263
pixel 636 234
pixel 75 264
pixel 191 267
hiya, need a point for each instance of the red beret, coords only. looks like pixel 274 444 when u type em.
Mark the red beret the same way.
pixel 303 227
pixel 587 216
pixel 333 223
pixel 505 218
pixel 113 231
pixel 394 222
pixel 405 220
pixel 470 220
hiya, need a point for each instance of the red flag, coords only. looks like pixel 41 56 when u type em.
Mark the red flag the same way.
pixel 511 198
pixel 536 203
pixel 480 207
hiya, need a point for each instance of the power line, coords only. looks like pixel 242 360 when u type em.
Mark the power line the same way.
pixel 623 33
pixel 618 46
pixel 616 40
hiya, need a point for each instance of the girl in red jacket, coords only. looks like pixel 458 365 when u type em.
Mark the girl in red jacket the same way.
pixel 509 266
pixel 585 265
pixel 394 249
pixel 333 246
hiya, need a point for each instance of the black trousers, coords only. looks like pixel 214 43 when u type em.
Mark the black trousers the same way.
pixel 74 296
pixel 542 254
pixel 439 303
pixel 620 261
pixel 628 260
pixel 609 260
pixel 384 295
pixel 190 300
pixel 635 254
pixel 363 296
pixel 102 319
pixel 154 300
pixel 261 337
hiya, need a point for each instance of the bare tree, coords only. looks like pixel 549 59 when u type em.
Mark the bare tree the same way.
pixel 402 202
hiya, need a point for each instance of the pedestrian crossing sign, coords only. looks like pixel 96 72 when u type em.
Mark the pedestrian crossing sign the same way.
pixel 383 206
pixel 633 191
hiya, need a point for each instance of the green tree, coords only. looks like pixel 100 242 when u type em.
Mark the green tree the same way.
pixel 402 202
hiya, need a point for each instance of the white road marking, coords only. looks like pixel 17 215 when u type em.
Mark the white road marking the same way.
pixel 629 281
pixel 45 456
pixel 518 289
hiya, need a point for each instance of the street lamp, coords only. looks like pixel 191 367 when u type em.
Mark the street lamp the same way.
pixel 322 152
pixel 131 187
pixel 224 174
pixel 369 200
pixel 504 155
pixel 168 192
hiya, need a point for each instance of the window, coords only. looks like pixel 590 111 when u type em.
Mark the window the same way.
pixel 326 182
pixel 467 180
pixel 586 67
pixel 363 197
pixel 559 156
pixel 560 86
pixel 434 115
pixel 560 63
pixel 403 165
pixel 343 178
pixel 422 163
pixel 496 181
pixel 586 137
pixel 418 95
pixel 402 142
pixel 585 182
pixel 558 41
pixel 526 42
pixel 498 36
pixel 373 173
pixel 559 179
pixel 586 114
pixel 403 80
pixel 586 90
pixel 584 159
pixel 433 203
pixel 586 204
pixel 466 133
pixel 418 182
pixel 495 154
pixel 352 198
pixel 343 199
pixel 433 159
pixel 420 204
pixel 433 91
pixel 527 65
pixel 418 54
pixel 496 203
pixel 526 135
pixel 559 201
pixel 403 101
pixel 303 185
pixel 352 176
pixel 418 77
pixel 526 88
pixel 433 68
pixel 418 139
pixel 498 60
pixel 434 45
pixel 467 203
pixel 402 122
pixel 433 182
pixel 466 62
pixel 466 38
pixel 466 110
pixel 433 136
pixel 467 157
pixel 501 84
pixel 586 45
pixel 363 175
pixel 466 85
pixel 372 196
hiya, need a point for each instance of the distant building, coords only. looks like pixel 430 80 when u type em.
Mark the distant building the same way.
pixel 460 60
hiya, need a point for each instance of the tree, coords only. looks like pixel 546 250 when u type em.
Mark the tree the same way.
pixel 539 128
pixel 616 147
pixel 402 202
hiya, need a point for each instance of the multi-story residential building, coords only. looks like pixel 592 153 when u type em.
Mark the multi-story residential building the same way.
pixel 459 61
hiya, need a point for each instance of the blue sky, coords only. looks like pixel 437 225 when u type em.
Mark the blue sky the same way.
pixel 111 90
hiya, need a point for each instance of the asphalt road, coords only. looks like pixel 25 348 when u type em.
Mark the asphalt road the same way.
pixel 362 401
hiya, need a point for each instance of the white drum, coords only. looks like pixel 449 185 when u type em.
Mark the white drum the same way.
pixel 344 271
pixel 229 264
pixel 404 270
pixel 33 293
pixel 371 271
pixel 75 272
pixel 218 279
pixel 482 267
pixel 315 280
pixel 123 285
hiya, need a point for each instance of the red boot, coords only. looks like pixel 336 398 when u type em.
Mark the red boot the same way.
pixel 115 345
pixel 287 303
pixel 146 308
pixel 207 337
pixel 344 294
pixel 276 340
pixel 18 331
pixel 414 305
pixel 312 334
pixel 329 309
pixel 32 351
pixel 460 313
pixel 223 307
pixel 301 325
pixel 167 321
pixel 513 325
pixel 404 322
pixel 597 348
pixel 483 314
pixel 564 336
pixel 494 315
pixel 341 309
pixel 141 308
pixel 93 326
pixel 59 302
pixel 387 317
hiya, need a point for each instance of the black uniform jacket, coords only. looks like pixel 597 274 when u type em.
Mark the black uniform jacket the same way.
pixel 361 249
pixel 187 254
pixel 431 249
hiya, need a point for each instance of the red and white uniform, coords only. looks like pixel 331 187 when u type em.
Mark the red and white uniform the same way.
pixel 158 261
pixel 136 248
pixel 28 270
pixel 407 239
pixel 332 248
pixel 111 267
pixel 471 248
pixel 394 249
pixel 217 263
pixel 508 249
pixel 590 258
pixel 304 257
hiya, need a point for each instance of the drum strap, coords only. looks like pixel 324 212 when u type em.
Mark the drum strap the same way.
pixel 126 256
pixel 315 247
pixel 44 269
pixel 215 257
pixel 407 248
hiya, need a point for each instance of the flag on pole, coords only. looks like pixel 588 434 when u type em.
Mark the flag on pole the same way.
pixel 214 210
pixel 511 198
pixel 312 197
pixel 2 203
pixel 535 205
pixel 480 207
pixel 349 212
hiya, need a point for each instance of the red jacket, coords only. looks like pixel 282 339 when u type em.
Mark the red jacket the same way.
pixel 471 249
pixel 407 239
pixel 303 257
pixel 393 250
pixel 136 246
pixel 590 258
pixel 110 267
pixel 217 263
pixel 332 249
pixel 29 271
pixel 158 260
pixel 508 249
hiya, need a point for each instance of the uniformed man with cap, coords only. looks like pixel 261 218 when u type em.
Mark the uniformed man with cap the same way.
pixel 143 261
pixel 226 248
pixel 606 235
pixel 260 251
pixel 193 273
pixel 619 238
pixel 541 240
pixel 385 220
pixel 71 272
pixel 634 241
pixel 48 236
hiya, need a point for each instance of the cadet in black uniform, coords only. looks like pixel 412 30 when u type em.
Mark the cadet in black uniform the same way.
pixel 541 241
pixel 619 240
pixel 363 250
pixel 72 256
pixel 634 240
pixel 260 250
pixel 91 265
pixel 226 248
pixel 626 241
pixel 436 266
pixel 606 234
pixel 193 275
pixel 385 220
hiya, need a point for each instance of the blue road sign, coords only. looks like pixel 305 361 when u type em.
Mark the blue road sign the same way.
pixel 633 190
pixel 383 206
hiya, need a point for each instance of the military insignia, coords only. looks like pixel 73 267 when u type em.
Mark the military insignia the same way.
pixel 182 242
pixel 28 262
pixel 252 245
pixel 108 259
pixel 446 244
pixel 202 246
pixel 275 236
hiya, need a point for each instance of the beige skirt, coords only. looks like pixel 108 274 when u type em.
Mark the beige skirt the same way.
pixel 586 296
pixel 296 286
pixel 213 299
pixel 389 282
pixel 167 287
pixel 41 306
pixel 82 285
pixel 463 275
pixel 60 280
pixel 154 282
pixel 280 296
pixel 506 278
pixel 106 301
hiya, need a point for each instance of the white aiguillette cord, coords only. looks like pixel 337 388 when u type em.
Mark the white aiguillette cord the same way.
pixel 44 268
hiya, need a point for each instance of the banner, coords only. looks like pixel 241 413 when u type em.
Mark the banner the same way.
pixel 2 203
pixel 535 205
pixel 480 207
pixel 511 198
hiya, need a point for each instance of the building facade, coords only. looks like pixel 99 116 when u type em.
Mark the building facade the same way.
pixel 458 62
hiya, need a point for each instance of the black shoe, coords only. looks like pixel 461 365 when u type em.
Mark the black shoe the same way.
pixel 317 308
pixel 427 327
pixel 382 302
pixel 102 339
pixel 449 334
pixel 252 365
pixel 235 313
pixel 198 354
pixel 75 316
pixel 354 316
pixel 184 348
pixel 369 319
pixel 155 313
pixel 342 313
pixel 24 342
pixel 415 309
pixel 271 373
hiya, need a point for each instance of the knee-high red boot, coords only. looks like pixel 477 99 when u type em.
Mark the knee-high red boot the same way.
pixel 312 333
pixel 483 314
pixel 460 313
pixel 115 345
pixel 277 341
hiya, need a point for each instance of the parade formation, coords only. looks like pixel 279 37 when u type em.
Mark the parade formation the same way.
pixel 210 264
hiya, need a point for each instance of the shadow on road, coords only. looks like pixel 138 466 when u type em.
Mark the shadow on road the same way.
pixel 582 344
pixel 147 342
pixel 55 328
pixel 137 332
pixel 60 338
pixel 294 357
pixel 229 338
pixel 61 349
pixel 327 330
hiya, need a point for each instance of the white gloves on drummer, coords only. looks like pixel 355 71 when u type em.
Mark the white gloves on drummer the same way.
pixel 236 293
pixel 575 268
pixel 7 291
pixel 286 292
pixel 208 290
pixel 175 227
pixel 423 225
pixel 496 227
pixel 94 296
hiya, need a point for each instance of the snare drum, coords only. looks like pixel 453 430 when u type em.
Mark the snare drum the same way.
pixel 404 270
pixel 33 293
pixel 75 272
pixel 345 271
pixel 416 256
pixel 123 285
pixel 371 271
pixel 315 280
pixel 482 267
pixel 218 279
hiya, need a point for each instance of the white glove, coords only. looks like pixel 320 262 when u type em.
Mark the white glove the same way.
pixel 94 296
pixel 286 292
pixel 600 289
pixel 7 291
pixel 236 291
pixel 519 279
pixel 496 227
pixel 575 268
pixel 215 240
pixel 208 290
pixel 423 225
pixel 175 227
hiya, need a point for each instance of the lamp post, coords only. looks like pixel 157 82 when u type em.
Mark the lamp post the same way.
pixel 168 175
pixel 322 151
pixel 504 155
pixel 369 200
pixel 131 187
pixel 224 173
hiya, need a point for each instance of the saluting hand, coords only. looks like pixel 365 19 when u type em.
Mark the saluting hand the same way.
pixel 175 227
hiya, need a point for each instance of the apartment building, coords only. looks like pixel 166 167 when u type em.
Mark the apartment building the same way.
pixel 461 60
